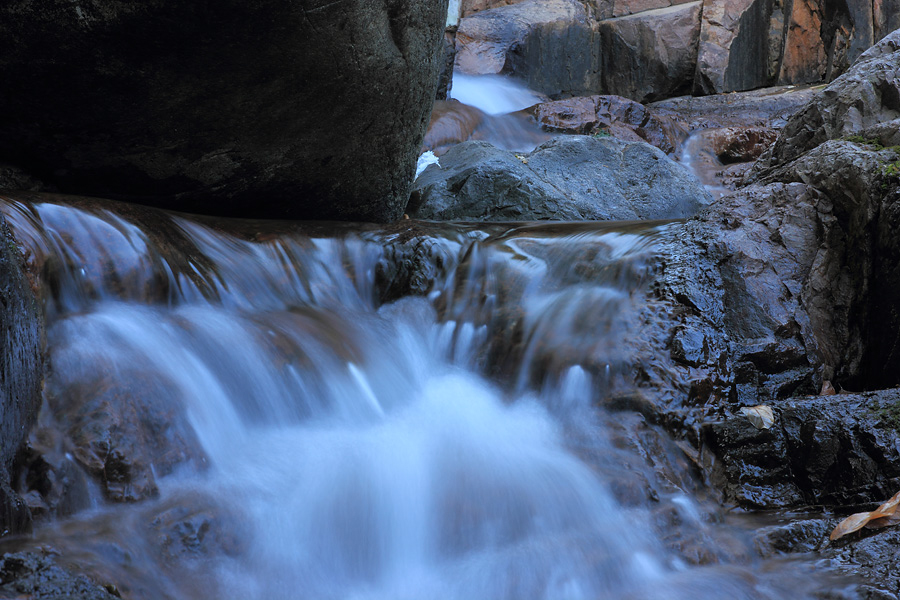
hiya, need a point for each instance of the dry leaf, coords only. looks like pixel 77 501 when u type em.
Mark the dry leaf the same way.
pixel 883 522
pixel 827 389
pixel 883 516
pixel 760 416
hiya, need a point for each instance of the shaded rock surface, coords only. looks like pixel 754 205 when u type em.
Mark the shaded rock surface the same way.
pixel 569 178
pixel 651 55
pixel 139 102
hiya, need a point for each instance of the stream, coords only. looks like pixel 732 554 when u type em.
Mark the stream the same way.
pixel 324 410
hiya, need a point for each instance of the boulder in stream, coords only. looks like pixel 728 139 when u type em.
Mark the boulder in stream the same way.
pixel 570 178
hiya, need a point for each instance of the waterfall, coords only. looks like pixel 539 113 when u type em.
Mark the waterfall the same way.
pixel 361 412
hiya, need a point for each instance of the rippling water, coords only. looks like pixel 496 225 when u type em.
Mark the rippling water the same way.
pixel 355 412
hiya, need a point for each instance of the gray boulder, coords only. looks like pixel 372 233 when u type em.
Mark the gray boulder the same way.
pixel 272 108
pixel 570 178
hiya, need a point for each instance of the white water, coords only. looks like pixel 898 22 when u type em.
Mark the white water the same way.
pixel 493 94
pixel 363 449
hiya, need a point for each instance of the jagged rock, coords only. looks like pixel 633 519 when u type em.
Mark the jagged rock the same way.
pixel 37 576
pixel 740 144
pixel 653 54
pixel 530 40
pixel 864 103
pixel 21 372
pixel 210 108
pixel 448 54
pixel 835 450
pixel 872 557
pixel 569 178
pixel 620 117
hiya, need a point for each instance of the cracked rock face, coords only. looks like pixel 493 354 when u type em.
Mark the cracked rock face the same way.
pixel 310 109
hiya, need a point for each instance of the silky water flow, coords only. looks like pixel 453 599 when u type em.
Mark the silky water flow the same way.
pixel 405 412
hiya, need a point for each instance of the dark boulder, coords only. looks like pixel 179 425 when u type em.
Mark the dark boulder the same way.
pixel 570 178
pixel 269 109
pixel 653 54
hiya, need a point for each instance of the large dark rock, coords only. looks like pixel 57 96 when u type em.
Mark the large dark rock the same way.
pixel 651 55
pixel 571 178
pixel 21 372
pixel 272 108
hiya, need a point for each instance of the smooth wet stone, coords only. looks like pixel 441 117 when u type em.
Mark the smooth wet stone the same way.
pixel 37 576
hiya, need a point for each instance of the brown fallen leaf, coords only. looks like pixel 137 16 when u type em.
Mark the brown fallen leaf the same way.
pixel 885 515
pixel 827 389
pixel 883 522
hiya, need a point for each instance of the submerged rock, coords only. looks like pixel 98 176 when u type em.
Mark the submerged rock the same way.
pixel 267 109
pixel 569 178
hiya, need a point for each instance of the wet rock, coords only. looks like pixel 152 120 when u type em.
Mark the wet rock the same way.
pixel 620 117
pixel 125 432
pixel 192 526
pixel 805 535
pixel 769 108
pixel 210 109
pixel 836 450
pixel 653 54
pixel 532 40
pixel 804 59
pixel 21 371
pixel 740 144
pixel 872 558
pixel 570 178
pixel 734 46
pixel 863 103
pixel 37 576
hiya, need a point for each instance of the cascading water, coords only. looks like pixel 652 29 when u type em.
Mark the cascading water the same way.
pixel 406 412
